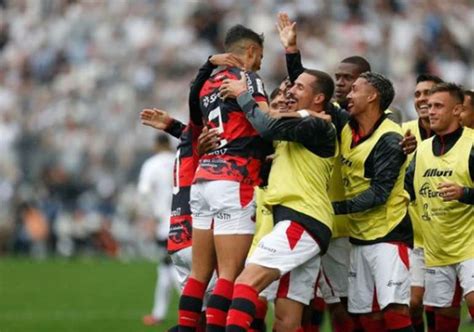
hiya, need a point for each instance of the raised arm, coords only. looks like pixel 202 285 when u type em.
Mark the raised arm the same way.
pixel 287 32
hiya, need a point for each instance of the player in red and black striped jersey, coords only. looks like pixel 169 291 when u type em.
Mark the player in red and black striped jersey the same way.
pixel 240 154
pixel 222 195
pixel 186 162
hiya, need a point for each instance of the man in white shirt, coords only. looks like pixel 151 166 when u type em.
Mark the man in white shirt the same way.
pixel 155 187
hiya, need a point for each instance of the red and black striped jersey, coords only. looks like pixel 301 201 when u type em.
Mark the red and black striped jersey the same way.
pixel 186 162
pixel 241 150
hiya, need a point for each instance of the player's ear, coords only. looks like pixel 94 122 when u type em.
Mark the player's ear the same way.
pixel 458 109
pixel 371 97
pixel 318 99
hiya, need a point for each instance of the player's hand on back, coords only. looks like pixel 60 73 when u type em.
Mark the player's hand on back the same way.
pixel 155 118
pixel 287 31
pixel 208 140
pixel 231 88
pixel 226 59
pixel 408 142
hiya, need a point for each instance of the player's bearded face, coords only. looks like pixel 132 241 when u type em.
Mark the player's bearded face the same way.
pixel 300 96
pixel 257 56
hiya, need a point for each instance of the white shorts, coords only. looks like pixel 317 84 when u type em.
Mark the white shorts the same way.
pixel 289 247
pixel 324 290
pixel 229 204
pixel 417 267
pixel 444 284
pixel 378 276
pixel 270 293
pixel 182 260
pixel 334 279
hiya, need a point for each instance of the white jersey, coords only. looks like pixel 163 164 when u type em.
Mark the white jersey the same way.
pixel 155 185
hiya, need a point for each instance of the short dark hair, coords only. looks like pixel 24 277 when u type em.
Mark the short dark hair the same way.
pixel 323 84
pixel 238 33
pixel 428 78
pixel 359 61
pixel 162 139
pixel 274 93
pixel 383 86
pixel 454 90
pixel 469 93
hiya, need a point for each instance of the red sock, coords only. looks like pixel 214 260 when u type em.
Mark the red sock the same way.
pixel 445 323
pixel 346 325
pixel 242 309
pixel 260 313
pixel 395 320
pixel 317 314
pixel 218 305
pixel 471 312
pixel 308 327
pixel 190 304
pixel 319 304
pixel 372 325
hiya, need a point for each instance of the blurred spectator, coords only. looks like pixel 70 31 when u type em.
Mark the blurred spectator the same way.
pixel 75 74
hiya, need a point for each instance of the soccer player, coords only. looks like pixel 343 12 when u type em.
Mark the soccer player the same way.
pixel 222 195
pixel 333 279
pixel 441 178
pixel 467 114
pixel 155 185
pixel 300 172
pixel 421 129
pixel 186 161
pixel 373 165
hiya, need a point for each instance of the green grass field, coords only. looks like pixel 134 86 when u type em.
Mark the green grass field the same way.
pixel 79 295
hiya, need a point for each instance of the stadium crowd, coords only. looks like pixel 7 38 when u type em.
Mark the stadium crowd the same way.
pixel 73 75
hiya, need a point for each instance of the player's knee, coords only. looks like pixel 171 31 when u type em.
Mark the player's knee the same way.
pixel 286 323
pixel 338 312
pixel 416 306
pixel 470 301
pixel 396 316
pixel 257 277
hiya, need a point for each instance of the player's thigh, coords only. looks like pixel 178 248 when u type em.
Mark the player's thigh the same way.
pixel 361 283
pixel 203 255
pixel 299 284
pixel 287 246
pixel 335 264
pixel 233 207
pixel 442 289
pixel 465 271
pixel 390 267
pixel 182 261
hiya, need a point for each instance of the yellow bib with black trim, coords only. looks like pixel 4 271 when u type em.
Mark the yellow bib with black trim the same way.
pixel 378 221
pixel 412 209
pixel 448 227
pixel 336 193
pixel 299 180
pixel 263 219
